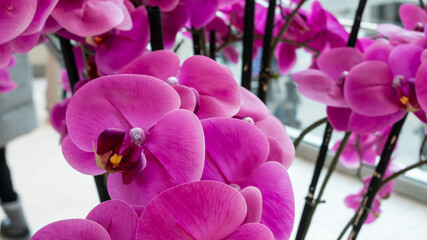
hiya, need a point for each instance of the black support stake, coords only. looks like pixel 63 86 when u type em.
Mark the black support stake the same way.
pixel 212 46
pixel 156 37
pixel 248 44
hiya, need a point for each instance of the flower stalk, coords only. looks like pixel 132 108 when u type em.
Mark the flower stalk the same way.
pixel 375 183
pixel 156 37
pixel 248 42
pixel 73 76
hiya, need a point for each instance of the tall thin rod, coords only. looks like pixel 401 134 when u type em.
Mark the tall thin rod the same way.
pixel 156 37
pixel 248 44
pixel 265 72
pixel 73 76
pixel 212 44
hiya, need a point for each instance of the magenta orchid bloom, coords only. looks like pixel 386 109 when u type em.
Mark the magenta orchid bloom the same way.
pixel 133 126
pixel 115 49
pixel 359 148
pixel 353 201
pixel 111 220
pixel 205 87
pixel 236 154
pixel 252 109
pixel 165 5
pixel 92 17
pixel 326 84
pixel 413 17
pixel 6 84
pixel 376 88
pixel 16 13
pixel 57 118
pixel 176 214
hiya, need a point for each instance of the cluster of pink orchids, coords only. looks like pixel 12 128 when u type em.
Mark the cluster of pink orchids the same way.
pixel 369 88
pixel 189 153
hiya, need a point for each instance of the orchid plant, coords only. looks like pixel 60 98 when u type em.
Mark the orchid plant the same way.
pixel 188 153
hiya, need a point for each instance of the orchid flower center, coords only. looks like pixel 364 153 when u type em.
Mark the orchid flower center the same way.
pixel 342 78
pixel 172 81
pixel 102 40
pixel 108 155
pixel 405 89
pixel 419 27
pixel 249 120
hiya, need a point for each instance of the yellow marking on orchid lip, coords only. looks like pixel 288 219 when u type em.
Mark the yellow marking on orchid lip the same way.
pixel 404 100
pixel 97 40
pixel 115 160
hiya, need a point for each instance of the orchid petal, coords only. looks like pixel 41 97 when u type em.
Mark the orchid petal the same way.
pixel 271 126
pixel 174 149
pixel 202 12
pixel 412 15
pixel 72 229
pixel 368 89
pixel 78 159
pixel 219 92
pixel 187 96
pixel 117 101
pixel 251 231
pixel 286 57
pixel 161 64
pixel 253 198
pixel 165 5
pixel 335 61
pixel 198 210
pixel 117 217
pixel 236 147
pixel 338 117
pixel 88 18
pixel 251 106
pixel 317 86
pixel 364 124
pixel 405 59
pixel 421 85
pixel 15 16
pixel 44 9
pixel 278 208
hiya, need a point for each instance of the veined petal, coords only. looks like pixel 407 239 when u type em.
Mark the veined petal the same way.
pixel 278 208
pixel 88 18
pixel 44 9
pixel 237 148
pixel 161 64
pixel 251 106
pixel 337 60
pixel 368 89
pixel 78 159
pixel 219 92
pixel 117 101
pixel 198 210
pixel 15 16
pixel 405 59
pixel 271 126
pixel 253 198
pixel 117 217
pixel 251 231
pixel 317 86
pixel 187 96
pixel 72 229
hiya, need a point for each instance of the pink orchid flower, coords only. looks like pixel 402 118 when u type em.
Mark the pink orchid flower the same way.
pixel 16 13
pixel 176 214
pixel 253 109
pixel 353 201
pixel 390 84
pixel 92 17
pixel 133 126
pixel 236 154
pixel 359 148
pixel 111 220
pixel 205 87
pixel 115 49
